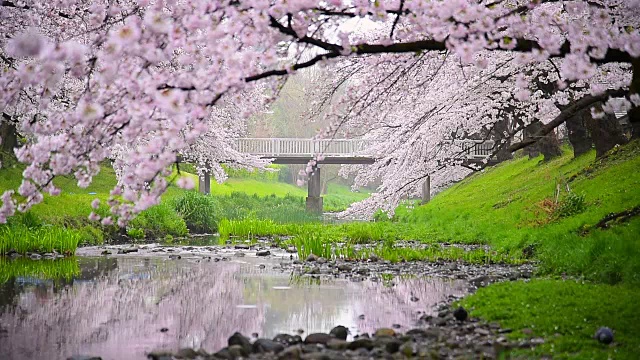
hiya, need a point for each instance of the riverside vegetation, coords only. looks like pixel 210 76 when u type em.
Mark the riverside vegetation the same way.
pixel 575 219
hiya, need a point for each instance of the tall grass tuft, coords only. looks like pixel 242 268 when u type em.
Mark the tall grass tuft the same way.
pixel 199 211
pixel 43 239
pixel 311 243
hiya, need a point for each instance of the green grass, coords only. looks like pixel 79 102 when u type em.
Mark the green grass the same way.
pixel 512 207
pixel 44 239
pixel 566 314
pixel 39 269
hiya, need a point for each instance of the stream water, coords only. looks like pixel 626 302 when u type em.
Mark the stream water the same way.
pixel 123 307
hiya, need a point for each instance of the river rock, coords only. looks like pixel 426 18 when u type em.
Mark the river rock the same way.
pixel 242 246
pixel 127 250
pixel 175 257
pixel 318 338
pixel 241 340
pixel 337 344
pixel 460 314
pixel 345 267
pixel 267 345
pixel 290 353
pixel 239 254
pixel 263 253
pixel 35 256
pixel 288 340
pixel 321 260
pixel 160 355
pixel 362 343
pixel 312 257
pixel 604 335
pixel 186 353
pixel 84 357
pixel 384 332
pixel 340 332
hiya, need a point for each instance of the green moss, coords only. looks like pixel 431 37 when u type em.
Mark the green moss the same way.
pixel 566 314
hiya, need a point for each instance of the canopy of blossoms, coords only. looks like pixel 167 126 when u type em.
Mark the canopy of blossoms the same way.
pixel 145 81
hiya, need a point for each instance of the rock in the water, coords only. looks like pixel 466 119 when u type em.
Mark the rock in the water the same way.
pixel 239 254
pixel 340 332
pixel 84 357
pixel 460 314
pixel 337 344
pixel 267 346
pixel 604 335
pixel 312 257
pixel 318 338
pixel 127 250
pixel 105 252
pixel 175 257
pixel 160 355
pixel 384 332
pixel 241 340
pixel 164 329
pixel 263 253
pixel 242 246
pixel 186 353
pixel 321 260
pixel 35 256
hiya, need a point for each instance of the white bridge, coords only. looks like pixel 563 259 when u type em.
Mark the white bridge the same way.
pixel 337 151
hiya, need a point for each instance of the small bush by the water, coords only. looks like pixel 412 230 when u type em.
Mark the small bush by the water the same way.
pixel 44 239
pixel 158 221
pixel 199 211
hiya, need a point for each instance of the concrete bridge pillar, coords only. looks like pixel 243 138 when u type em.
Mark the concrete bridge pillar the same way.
pixel 314 200
pixel 204 183
pixel 426 190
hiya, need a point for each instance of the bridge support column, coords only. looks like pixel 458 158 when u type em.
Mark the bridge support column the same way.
pixel 426 190
pixel 314 200
pixel 204 183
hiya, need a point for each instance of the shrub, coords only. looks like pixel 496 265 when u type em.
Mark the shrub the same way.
pixel 158 221
pixel 572 204
pixel 198 211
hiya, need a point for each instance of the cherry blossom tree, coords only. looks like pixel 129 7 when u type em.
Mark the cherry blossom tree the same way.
pixel 81 77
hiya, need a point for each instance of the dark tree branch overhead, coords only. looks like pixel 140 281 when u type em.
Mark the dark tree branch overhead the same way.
pixel 565 115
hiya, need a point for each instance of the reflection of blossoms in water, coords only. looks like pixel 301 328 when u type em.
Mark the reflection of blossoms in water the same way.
pixel 120 315
pixel 399 308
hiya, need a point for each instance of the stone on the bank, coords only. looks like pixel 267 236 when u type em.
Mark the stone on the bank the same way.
pixel 263 253
pixel 290 353
pixel 345 267
pixel 237 351
pixel 460 314
pixel 242 246
pixel 407 349
pixel 288 340
pixel 604 335
pixel 316 356
pixel 362 343
pixel 35 256
pixel 318 338
pixel 241 340
pixel 340 332
pixel 384 332
pixel 337 344
pixel 267 346
pixel 312 257
pixel 321 260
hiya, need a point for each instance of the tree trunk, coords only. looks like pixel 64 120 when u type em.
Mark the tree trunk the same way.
pixel 532 150
pixel 634 88
pixel 9 136
pixel 606 132
pixel 578 134
pixel 499 129
pixel 550 146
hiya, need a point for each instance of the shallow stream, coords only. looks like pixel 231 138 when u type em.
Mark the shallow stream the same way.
pixel 122 307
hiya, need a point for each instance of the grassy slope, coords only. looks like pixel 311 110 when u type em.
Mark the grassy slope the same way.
pixel 503 207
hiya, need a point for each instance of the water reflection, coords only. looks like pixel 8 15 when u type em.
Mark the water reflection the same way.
pixel 116 308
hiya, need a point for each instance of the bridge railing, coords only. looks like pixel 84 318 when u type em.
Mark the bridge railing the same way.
pixel 476 149
pixel 304 147
pixel 275 147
